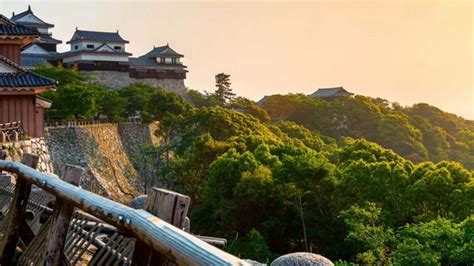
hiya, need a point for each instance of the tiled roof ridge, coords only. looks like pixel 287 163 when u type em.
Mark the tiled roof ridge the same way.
pixel 12 64
pixel 23 72
pixel 26 12
pixel 97 36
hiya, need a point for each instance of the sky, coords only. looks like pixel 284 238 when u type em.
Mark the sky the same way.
pixel 403 51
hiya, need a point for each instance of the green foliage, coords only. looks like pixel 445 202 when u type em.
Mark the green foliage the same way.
pixel 203 100
pixel 224 91
pixel 249 107
pixel 439 241
pixel 253 246
pixel 162 103
pixel 138 96
pixel 301 173
pixel 78 98
pixel 418 133
pixel 367 231
pixel 297 188
pixel 395 132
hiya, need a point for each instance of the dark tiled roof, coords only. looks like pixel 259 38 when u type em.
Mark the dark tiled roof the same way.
pixel 162 51
pixel 28 12
pixel 47 39
pixel 22 78
pixel 149 59
pixel 83 35
pixel 10 28
pixel 330 92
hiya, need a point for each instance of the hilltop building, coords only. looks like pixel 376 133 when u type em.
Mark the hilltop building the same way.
pixel 19 88
pixel 160 63
pixel 103 55
pixel 42 48
pixel 330 94
pixel 93 50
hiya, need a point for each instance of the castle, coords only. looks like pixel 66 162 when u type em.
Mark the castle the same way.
pixel 103 54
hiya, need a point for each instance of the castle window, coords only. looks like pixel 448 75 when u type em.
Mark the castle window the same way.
pixel 76 47
pixel 90 46
pixel 173 60
pixel 118 48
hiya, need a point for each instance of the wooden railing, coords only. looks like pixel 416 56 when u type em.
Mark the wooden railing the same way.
pixel 80 123
pixel 150 231
pixel 11 131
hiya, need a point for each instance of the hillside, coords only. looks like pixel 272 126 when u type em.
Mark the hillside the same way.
pixel 419 133
pixel 299 174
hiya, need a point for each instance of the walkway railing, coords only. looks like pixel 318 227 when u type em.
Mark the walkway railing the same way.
pixel 12 131
pixel 79 122
pixel 149 230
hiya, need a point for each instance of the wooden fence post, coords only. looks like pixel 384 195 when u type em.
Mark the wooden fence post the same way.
pixel 169 206
pixel 60 220
pixel 17 212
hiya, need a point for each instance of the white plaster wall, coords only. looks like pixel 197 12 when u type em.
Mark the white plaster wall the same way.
pixel 35 49
pixel 96 57
pixel 83 45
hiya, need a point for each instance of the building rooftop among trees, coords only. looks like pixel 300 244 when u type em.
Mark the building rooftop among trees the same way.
pixel 331 93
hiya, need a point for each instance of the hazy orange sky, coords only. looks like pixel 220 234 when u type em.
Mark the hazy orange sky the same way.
pixel 404 51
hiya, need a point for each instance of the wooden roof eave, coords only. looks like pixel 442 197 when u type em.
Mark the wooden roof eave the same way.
pixel 23 40
pixel 25 90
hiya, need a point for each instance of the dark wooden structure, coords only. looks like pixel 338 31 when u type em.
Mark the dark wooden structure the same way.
pixel 10 132
pixel 70 237
pixel 19 88
pixel 160 63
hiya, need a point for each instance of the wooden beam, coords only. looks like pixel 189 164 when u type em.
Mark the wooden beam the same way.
pixel 169 206
pixel 60 220
pixel 16 215
pixel 177 245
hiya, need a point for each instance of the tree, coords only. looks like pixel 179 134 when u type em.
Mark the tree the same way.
pixel 138 96
pixel 224 91
pixel 112 105
pixel 367 231
pixel 438 242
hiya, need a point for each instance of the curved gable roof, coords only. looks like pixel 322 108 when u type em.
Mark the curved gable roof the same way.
pixel 330 92
pixel 37 21
pixel 98 36
pixel 162 51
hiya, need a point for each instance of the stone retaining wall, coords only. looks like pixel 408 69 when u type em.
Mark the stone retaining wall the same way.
pixel 35 146
pixel 117 79
pixel 103 150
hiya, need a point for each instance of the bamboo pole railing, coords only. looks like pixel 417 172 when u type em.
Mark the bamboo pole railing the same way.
pixel 166 239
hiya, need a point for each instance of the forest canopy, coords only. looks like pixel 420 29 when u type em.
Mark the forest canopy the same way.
pixel 358 180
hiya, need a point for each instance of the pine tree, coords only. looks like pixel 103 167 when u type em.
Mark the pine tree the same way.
pixel 223 91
